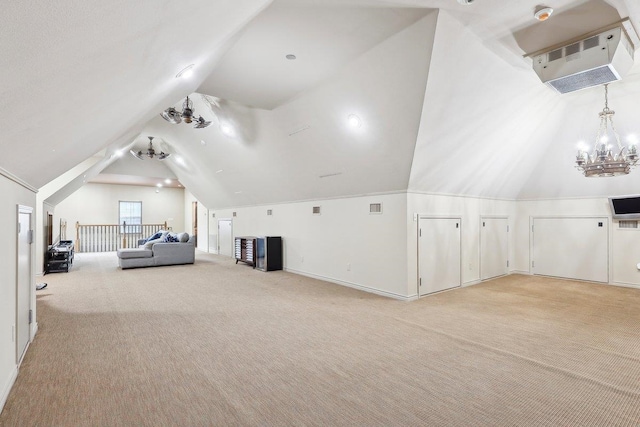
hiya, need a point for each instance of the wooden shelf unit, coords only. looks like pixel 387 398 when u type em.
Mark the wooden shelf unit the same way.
pixel 245 250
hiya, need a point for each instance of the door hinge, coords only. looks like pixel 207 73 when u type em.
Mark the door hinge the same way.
pixel 507 228
pixel 533 263
pixel 19 228
pixel 483 223
pixel 420 280
pixel 420 234
pixel 507 263
pixel 30 236
pixel 30 316
pixel 457 225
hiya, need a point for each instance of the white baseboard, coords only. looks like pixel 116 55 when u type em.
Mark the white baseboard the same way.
pixel 471 283
pixel 625 285
pixel 34 330
pixel 526 273
pixel 4 393
pixel 351 285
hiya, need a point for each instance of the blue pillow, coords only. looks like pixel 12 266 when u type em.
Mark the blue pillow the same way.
pixel 170 237
pixel 155 236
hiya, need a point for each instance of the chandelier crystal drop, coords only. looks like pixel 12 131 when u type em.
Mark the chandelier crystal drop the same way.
pixel 603 161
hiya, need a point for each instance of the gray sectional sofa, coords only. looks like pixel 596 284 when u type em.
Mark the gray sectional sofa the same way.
pixel 157 252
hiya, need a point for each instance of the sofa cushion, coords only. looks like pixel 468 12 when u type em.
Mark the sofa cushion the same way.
pixel 134 253
pixel 150 243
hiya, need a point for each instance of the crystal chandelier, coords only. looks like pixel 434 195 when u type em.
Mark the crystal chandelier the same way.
pixel 603 161
pixel 187 115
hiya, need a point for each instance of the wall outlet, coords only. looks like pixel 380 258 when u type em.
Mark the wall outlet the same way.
pixel 349 266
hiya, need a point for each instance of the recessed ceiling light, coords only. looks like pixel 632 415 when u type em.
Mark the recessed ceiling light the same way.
pixel 186 72
pixel 543 13
pixel 167 181
pixel 354 121
pixel 465 1
pixel 203 142
pixel 158 185
pixel 291 57
pixel 219 171
pixel 238 192
pixel 226 129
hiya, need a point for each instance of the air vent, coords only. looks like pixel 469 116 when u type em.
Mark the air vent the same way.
pixel 269 212
pixel 590 78
pixel 235 214
pixel 591 42
pixel 596 59
pixel 316 210
pixel 213 215
pixel 375 208
pixel 555 54
pixel 628 224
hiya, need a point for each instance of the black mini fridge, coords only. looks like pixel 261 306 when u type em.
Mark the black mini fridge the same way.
pixel 269 253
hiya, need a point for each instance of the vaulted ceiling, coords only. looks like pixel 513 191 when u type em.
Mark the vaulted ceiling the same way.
pixel 447 101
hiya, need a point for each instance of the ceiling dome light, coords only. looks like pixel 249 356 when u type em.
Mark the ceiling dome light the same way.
pixel 226 129
pixel 291 57
pixel 167 181
pixel 354 121
pixel 186 72
pixel 543 13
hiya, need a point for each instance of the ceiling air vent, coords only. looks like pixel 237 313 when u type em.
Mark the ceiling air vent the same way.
pixel 375 208
pixel 627 223
pixel 269 212
pixel 592 61
pixel 316 210
pixel 235 214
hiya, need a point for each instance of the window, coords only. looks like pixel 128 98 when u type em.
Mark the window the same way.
pixel 131 214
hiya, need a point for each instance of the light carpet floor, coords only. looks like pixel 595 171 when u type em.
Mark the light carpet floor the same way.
pixel 220 344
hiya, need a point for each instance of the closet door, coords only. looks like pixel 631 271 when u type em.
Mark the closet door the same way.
pixel 438 254
pixel 573 248
pixel 494 247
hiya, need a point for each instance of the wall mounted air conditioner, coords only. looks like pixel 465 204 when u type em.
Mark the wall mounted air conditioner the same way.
pixel 594 60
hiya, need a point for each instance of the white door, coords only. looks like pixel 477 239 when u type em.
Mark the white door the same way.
pixel 494 247
pixel 574 248
pixel 225 238
pixel 23 283
pixel 438 254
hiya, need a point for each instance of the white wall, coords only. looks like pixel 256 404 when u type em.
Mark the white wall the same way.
pixel 344 244
pixel 624 244
pixel 13 194
pixel 203 221
pixel 98 204
pixel 470 209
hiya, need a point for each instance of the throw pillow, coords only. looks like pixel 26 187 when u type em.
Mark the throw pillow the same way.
pixel 183 237
pixel 155 236
pixel 170 237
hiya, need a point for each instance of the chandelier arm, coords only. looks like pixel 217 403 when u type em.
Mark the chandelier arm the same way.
pixel 615 133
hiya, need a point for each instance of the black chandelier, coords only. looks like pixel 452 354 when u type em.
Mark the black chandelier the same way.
pixel 150 153
pixel 187 115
